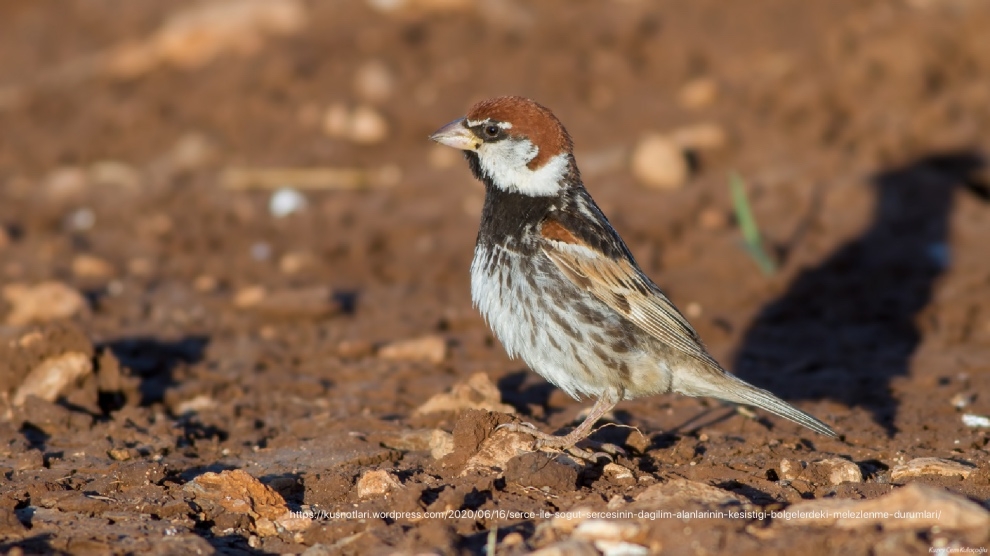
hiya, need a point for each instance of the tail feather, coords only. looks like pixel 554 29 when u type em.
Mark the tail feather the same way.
pixel 754 396
pixel 717 383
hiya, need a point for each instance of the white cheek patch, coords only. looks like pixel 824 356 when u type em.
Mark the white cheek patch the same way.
pixel 505 162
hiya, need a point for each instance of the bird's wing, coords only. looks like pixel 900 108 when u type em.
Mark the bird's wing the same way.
pixel 619 284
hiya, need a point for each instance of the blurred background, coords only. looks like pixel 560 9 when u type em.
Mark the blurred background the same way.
pixel 235 205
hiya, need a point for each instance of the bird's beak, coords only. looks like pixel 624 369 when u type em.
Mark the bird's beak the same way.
pixel 457 135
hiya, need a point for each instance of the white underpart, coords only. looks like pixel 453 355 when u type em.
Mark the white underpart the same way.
pixel 505 162
pixel 525 331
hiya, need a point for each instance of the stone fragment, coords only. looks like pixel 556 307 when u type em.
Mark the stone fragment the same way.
pixel 613 537
pixel 431 348
pixel 543 470
pixel 374 81
pixel 700 137
pixel 307 302
pixel 698 93
pixel 931 466
pixel 237 492
pixel 377 483
pixel 86 266
pixel 618 473
pixel 441 443
pixel 911 507
pixel 478 392
pixel 659 163
pixel 43 302
pixel 51 377
pixel 194 36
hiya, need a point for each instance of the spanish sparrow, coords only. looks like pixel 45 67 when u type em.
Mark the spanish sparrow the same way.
pixel 559 287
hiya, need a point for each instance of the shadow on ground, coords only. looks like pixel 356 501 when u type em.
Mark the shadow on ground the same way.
pixel 845 328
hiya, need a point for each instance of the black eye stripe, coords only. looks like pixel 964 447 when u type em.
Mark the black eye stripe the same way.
pixel 489 131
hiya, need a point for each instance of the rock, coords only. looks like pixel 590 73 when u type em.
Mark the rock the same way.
pixel 677 492
pixel 659 163
pixel 377 483
pixel 976 421
pixel 192 151
pixel 441 443
pixel 838 471
pixel 477 393
pixel 312 302
pixel 206 283
pixel 64 183
pixel 337 121
pixel 830 471
pixel 114 173
pixel 912 507
pixel 355 349
pixel 790 469
pixel 52 376
pixel 613 536
pixel 296 261
pixel 86 266
pixel 285 201
pixel 498 449
pixel 374 82
pixel 542 470
pixel 700 137
pixel 194 36
pixel 368 127
pixel 618 473
pixel 237 492
pixel 566 522
pixel 713 219
pixel 43 302
pixel 931 466
pixel 570 547
pixel 80 220
pixel 431 348
pixel 363 125
pixel 698 93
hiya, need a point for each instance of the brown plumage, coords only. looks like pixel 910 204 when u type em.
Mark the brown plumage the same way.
pixel 559 287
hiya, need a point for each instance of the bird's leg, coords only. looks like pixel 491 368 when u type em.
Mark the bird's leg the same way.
pixel 603 405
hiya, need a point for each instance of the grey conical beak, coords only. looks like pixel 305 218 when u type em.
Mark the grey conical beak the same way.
pixel 457 135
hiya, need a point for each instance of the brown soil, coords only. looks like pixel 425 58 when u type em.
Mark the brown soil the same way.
pixel 859 127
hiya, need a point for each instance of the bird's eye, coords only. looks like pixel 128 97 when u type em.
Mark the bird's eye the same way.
pixel 492 130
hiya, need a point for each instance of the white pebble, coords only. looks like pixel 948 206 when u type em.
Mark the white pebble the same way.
pixel 81 220
pixel 976 421
pixel 286 201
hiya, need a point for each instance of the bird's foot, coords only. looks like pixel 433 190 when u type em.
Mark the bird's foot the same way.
pixel 566 443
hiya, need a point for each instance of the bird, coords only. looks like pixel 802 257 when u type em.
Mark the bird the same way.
pixel 561 290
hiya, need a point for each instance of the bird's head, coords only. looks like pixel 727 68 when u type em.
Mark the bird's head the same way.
pixel 515 143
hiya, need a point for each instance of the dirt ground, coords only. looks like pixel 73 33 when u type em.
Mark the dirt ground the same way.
pixel 169 337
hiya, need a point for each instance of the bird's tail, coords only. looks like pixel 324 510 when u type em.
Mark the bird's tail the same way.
pixel 731 388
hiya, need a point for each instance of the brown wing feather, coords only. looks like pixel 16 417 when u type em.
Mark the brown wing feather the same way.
pixel 618 284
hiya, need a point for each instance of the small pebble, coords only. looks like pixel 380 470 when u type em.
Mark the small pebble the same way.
pixel 261 251
pixel 374 82
pixel 368 127
pixel 81 220
pixel 286 201
pixel 698 93
pixel 659 163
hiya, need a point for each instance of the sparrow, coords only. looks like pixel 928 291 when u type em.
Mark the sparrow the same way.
pixel 560 289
